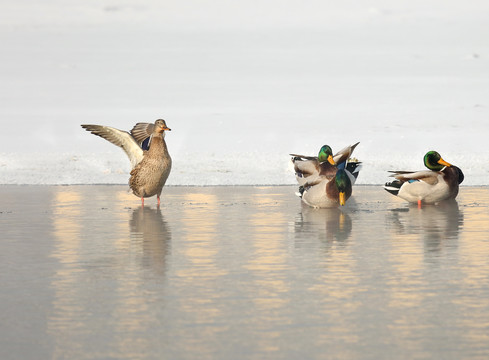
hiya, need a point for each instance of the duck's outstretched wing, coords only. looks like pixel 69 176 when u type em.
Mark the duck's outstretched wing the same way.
pixel 344 154
pixel 341 156
pixel 120 138
pixel 142 131
pixel 306 166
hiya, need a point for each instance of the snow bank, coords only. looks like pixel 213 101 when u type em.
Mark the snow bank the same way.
pixel 233 169
pixel 242 86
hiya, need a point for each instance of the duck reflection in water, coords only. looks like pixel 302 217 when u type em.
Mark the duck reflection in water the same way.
pixel 149 227
pixel 327 224
pixel 436 223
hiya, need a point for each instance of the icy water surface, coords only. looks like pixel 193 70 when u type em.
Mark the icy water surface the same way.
pixel 240 273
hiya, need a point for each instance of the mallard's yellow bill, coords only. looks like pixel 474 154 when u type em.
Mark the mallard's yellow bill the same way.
pixel 443 162
pixel 342 198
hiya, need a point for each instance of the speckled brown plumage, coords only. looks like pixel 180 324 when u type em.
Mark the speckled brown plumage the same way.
pixel 150 175
pixel 150 168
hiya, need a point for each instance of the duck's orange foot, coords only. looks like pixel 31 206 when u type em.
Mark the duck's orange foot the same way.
pixel 419 204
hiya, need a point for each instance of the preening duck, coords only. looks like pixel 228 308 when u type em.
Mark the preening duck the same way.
pixel 323 182
pixel 308 167
pixel 440 182
pixel 146 148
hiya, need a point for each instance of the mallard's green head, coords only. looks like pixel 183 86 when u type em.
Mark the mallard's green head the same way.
pixel 433 161
pixel 343 183
pixel 326 154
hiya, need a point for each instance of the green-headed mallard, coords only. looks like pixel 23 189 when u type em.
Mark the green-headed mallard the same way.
pixel 325 192
pixel 146 148
pixel 308 167
pixel 431 186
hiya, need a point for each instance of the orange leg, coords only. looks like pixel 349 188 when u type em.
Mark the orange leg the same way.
pixel 419 204
pixel 142 201
pixel 158 197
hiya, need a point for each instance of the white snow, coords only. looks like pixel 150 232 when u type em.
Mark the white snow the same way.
pixel 242 85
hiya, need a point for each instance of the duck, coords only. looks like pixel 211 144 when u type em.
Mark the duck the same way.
pixel 440 182
pixel 147 151
pixel 329 186
pixel 308 167
pixel 325 192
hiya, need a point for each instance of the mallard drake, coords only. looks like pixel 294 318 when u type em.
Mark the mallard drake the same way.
pixel 325 192
pixel 431 186
pixel 146 148
pixel 307 166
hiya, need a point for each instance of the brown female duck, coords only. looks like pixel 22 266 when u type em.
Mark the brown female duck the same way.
pixel 146 148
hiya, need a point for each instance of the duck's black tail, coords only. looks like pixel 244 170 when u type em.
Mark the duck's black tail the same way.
pixel 393 187
pixel 353 167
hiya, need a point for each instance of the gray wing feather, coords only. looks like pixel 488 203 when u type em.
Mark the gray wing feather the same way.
pixel 120 138
pixel 428 176
pixel 141 131
pixel 345 153
pixel 304 157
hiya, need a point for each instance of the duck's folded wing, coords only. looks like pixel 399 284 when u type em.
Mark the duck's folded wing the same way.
pixel 142 131
pixel 305 168
pixel 304 157
pixel 314 180
pixel 428 176
pixel 120 138
pixel 397 172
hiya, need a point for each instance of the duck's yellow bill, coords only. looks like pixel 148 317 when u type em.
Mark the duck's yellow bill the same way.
pixel 330 160
pixel 443 162
pixel 342 198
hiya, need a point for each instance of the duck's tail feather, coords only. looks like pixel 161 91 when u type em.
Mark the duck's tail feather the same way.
pixel 300 192
pixel 354 167
pixel 393 187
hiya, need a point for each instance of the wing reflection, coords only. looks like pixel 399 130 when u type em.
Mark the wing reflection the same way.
pixel 436 223
pixel 149 226
pixel 326 224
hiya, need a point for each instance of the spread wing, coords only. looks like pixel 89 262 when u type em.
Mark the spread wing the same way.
pixel 142 131
pixel 344 154
pixel 341 156
pixel 120 138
